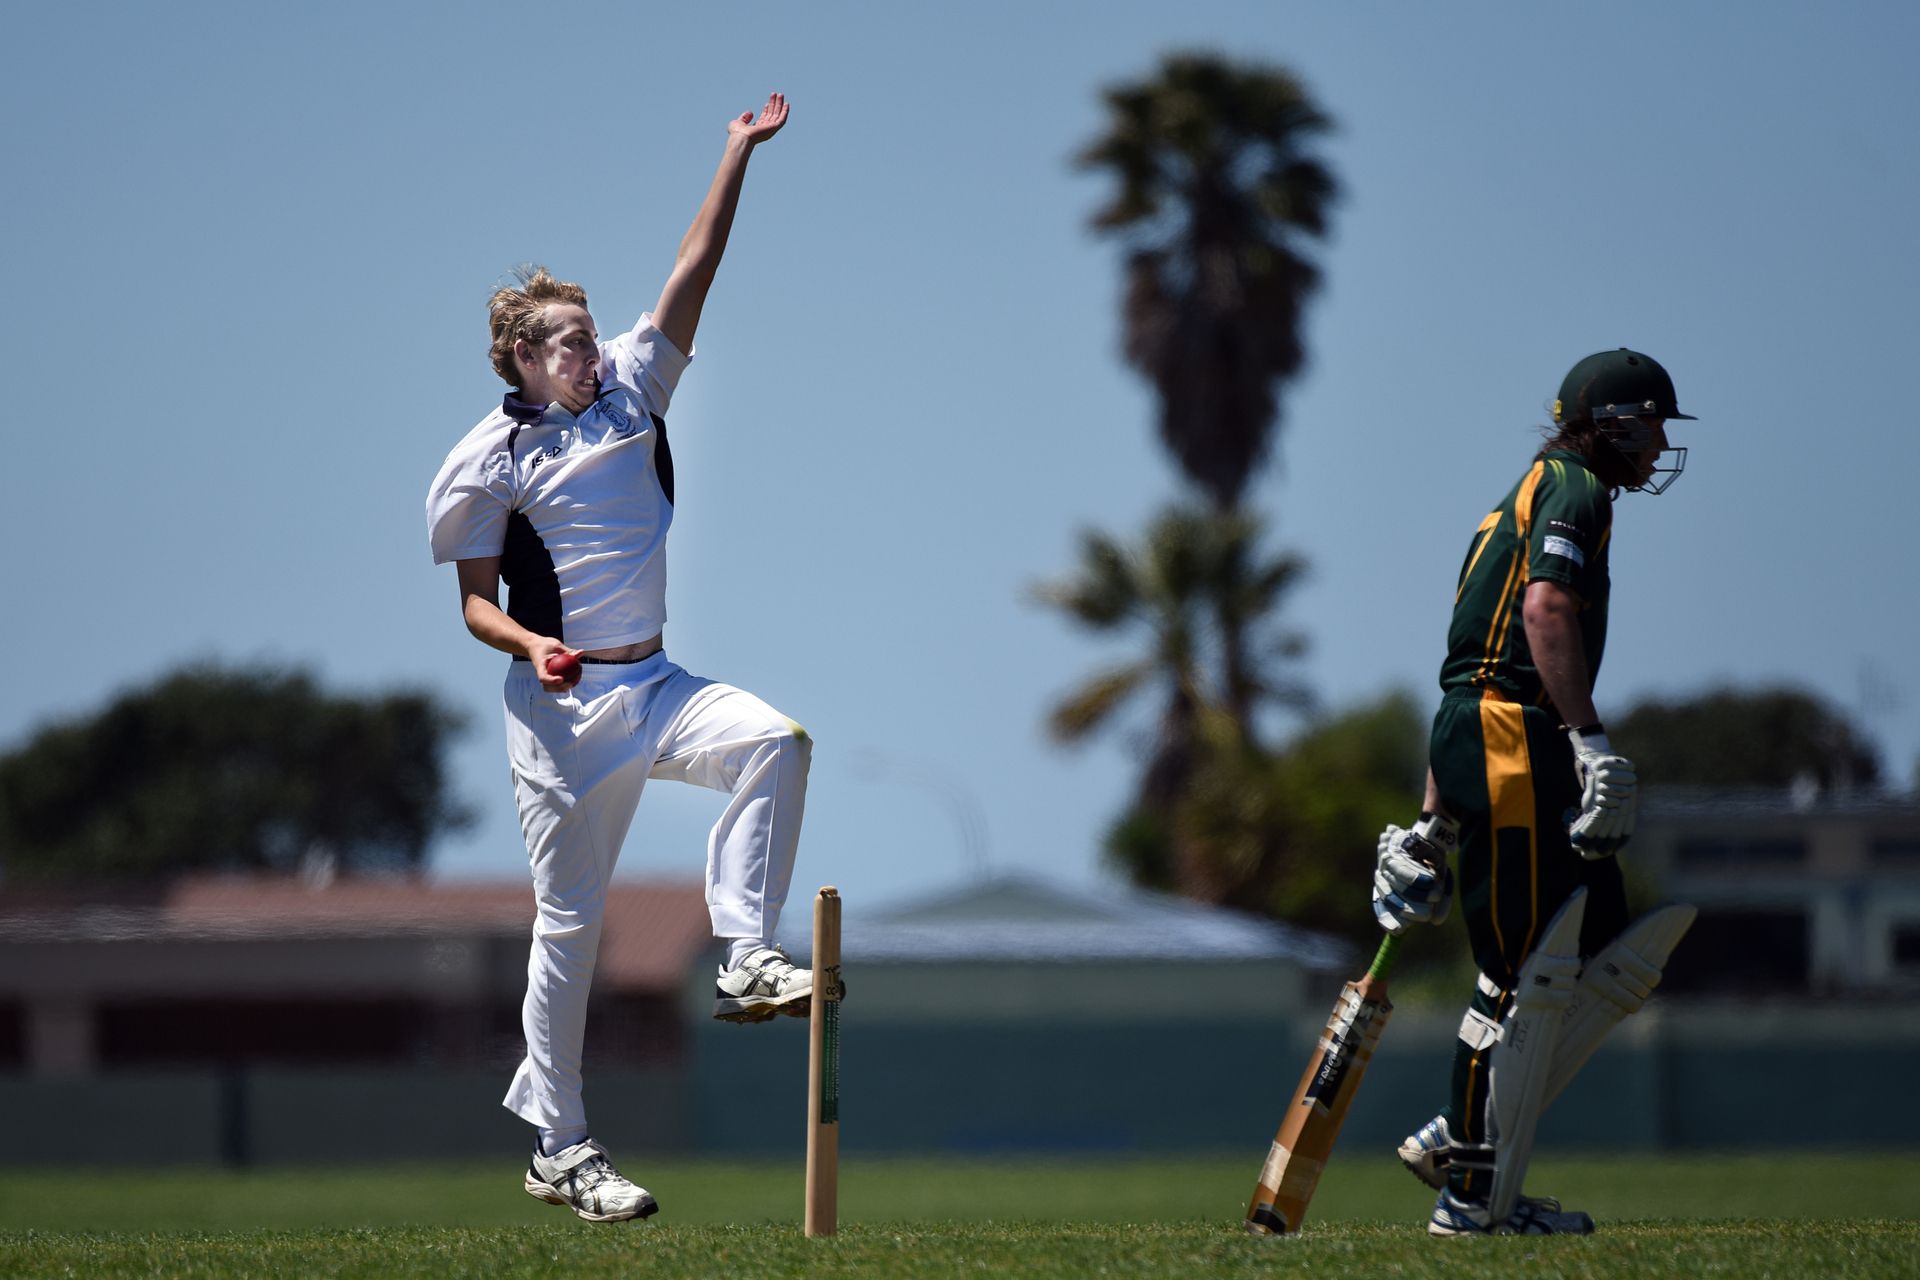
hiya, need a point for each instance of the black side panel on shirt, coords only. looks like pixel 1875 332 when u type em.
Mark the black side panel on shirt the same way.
pixel 663 457
pixel 533 589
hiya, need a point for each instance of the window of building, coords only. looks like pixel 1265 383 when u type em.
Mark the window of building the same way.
pixel 1747 952
pixel 196 1032
pixel 1906 945
pixel 13 1036
pixel 1739 853
pixel 1897 851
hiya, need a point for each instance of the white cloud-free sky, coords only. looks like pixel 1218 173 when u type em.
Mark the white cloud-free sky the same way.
pixel 250 247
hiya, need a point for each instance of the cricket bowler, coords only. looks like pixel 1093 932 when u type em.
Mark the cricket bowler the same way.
pixel 565 493
pixel 1527 792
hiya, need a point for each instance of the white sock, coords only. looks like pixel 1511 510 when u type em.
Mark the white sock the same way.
pixel 739 949
pixel 554 1141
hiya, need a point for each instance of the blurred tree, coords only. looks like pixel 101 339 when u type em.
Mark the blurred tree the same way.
pixel 1291 833
pixel 216 768
pixel 1217 189
pixel 1198 578
pixel 1768 737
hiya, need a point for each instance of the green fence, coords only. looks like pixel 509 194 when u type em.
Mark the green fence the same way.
pixel 1681 1079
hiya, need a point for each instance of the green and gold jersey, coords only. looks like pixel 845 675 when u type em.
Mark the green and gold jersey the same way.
pixel 1554 525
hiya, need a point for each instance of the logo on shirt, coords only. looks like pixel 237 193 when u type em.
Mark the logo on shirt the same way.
pixel 622 422
pixel 1563 547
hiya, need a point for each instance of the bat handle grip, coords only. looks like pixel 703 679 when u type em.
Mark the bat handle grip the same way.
pixel 1383 958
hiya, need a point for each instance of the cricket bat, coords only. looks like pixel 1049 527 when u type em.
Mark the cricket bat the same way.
pixel 1319 1106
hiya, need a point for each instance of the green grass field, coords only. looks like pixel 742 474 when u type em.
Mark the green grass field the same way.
pixel 1800 1215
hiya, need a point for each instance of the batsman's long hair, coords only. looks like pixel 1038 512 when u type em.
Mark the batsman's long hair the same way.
pixel 516 312
pixel 1587 438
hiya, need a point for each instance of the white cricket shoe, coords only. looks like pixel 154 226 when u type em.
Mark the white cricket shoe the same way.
pixel 584 1179
pixel 1428 1151
pixel 1533 1216
pixel 765 983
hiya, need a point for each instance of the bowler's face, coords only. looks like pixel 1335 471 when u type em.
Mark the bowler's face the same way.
pixel 567 364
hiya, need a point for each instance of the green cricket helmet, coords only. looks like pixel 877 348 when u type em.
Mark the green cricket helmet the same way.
pixel 1621 392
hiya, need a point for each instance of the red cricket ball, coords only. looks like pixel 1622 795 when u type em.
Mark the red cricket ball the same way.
pixel 563 666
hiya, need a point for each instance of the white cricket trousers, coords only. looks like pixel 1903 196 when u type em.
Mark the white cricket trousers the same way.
pixel 580 761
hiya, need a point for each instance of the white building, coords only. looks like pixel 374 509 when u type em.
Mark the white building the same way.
pixel 1798 891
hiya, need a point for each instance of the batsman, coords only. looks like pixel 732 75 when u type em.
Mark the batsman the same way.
pixel 1526 790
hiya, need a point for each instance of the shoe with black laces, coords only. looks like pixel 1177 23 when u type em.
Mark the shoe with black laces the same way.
pixel 584 1179
pixel 1532 1216
pixel 1428 1151
pixel 766 982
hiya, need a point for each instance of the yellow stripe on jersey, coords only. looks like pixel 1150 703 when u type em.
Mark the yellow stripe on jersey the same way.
pixel 1485 534
pixel 1490 651
pixel 1510 796
pixel 1523 510
pixel 1511 593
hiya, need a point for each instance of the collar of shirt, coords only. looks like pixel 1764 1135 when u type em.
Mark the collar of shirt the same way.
pixel 1568 455
pixel 527 413
pixel 524 412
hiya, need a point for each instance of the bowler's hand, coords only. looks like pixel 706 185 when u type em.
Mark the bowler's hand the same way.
pixel 543 648
pixel 757 131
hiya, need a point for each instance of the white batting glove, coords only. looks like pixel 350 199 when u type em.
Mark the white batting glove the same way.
pixel 1412 883
pixel 1609 795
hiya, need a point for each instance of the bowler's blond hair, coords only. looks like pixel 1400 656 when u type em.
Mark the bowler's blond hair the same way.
pixel 521 312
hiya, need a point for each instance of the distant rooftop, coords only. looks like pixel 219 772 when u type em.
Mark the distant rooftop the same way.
pixel 1778 802
pixel 655 930
pixel 1021 918
pixel 652 930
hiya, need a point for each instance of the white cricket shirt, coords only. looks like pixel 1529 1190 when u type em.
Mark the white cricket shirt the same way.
pixel 577 509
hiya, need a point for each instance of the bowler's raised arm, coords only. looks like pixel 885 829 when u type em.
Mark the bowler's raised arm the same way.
pixel 677 314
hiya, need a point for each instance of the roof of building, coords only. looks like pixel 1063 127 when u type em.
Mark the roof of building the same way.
pixel 653 931
pixel 1797 802
pixel 1015 917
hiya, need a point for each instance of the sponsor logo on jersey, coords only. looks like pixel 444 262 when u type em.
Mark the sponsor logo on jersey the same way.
pixel 621 420
pixel 1555 546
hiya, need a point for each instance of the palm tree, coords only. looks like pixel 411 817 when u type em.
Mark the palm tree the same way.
pixel 1217 189
pixel 1198 584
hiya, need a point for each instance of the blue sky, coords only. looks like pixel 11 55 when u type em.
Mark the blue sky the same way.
pixel 251 249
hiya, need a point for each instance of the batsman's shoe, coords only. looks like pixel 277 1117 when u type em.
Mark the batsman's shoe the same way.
pixel 584 1179
pixel 1428 1151
pixel 765 983
pixel 1531 1217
